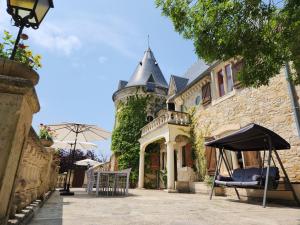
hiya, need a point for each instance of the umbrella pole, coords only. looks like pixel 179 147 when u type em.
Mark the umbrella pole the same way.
pixel 69 170
pixel 67 192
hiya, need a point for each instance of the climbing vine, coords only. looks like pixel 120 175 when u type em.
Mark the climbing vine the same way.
pixel 198 144
pixel 130 118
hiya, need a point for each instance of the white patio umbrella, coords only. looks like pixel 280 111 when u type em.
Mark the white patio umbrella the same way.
pixel 79 132
pixel 76 132
pixel 87 162
pixel 82 146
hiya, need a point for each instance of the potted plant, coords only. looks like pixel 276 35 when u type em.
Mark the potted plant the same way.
pixel 46 135
pixel 24 64
pixel 218 191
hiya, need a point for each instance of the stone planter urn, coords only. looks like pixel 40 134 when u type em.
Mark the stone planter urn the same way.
pixel 18 103
pixel 16 69
pixel 46 142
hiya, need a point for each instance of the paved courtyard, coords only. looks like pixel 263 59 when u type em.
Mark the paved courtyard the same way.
pixel 150 207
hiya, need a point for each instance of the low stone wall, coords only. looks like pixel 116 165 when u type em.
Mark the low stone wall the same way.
pixel 37 174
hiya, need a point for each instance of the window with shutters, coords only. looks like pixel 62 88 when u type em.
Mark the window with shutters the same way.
pixel 206 94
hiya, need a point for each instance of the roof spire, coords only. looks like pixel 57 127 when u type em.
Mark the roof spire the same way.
pixel 148 41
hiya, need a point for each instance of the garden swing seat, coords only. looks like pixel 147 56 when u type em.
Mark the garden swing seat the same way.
pixel 253 178
pixel 252 138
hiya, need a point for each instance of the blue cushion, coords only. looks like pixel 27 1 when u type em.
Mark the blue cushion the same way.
pixel 222 178
pixel 247 175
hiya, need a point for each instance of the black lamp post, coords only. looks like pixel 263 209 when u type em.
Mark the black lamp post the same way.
pixel 27 13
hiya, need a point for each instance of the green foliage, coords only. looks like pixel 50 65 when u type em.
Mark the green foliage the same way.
pixel 208 180
pixel 130 118
pixel 198 146
pixel 265 34
pixel 163 174
pixel 23 54
pixel 46 133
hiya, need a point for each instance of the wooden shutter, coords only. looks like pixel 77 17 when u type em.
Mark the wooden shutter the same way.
pixel 211 160
pixel 154 160
pixel 235 70
pixel 188 155
pixel 252 159
pixel 206 94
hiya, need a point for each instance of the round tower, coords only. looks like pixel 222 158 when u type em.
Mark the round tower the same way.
pixel 147 80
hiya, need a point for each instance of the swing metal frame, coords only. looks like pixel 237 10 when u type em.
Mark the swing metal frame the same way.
pixel 269 146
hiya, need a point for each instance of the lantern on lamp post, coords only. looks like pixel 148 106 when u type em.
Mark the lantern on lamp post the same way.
pixel 27 13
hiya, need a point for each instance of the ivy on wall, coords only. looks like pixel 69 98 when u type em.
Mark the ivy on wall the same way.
pixel 198 144
pixel 130 118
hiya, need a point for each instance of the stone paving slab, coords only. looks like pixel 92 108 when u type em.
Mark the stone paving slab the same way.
pixel 151 207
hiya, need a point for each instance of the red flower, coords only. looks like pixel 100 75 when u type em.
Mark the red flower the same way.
pixel 22 46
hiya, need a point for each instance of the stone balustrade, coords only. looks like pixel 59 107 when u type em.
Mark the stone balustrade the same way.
pixel 37 174
pixel 167 117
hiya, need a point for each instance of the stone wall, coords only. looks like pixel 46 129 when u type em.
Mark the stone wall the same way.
pixel 269 106
pixel 37 174
pixel 156 102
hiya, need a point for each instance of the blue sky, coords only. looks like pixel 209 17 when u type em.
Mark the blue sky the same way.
pixel 88 48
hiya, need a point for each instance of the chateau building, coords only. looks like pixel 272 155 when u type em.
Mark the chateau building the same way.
pixel 220 106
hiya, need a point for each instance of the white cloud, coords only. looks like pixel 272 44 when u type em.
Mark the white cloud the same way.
pixel 68 34
pixel 109 30
pixel 102 59
pixel 55 39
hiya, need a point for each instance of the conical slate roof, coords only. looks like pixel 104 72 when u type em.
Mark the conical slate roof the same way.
pixel 147 71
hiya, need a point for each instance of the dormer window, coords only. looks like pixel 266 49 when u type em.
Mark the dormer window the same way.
pixel 151 84
pixel 151 79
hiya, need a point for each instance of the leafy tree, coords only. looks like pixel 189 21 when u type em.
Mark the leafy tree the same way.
pixel 264 33
pixel 67 160
pixel 130 118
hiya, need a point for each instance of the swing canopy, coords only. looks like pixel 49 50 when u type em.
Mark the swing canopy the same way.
pixel 252 137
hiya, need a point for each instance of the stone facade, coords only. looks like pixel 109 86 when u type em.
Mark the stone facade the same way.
pixel 220 107
pixel 269 106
